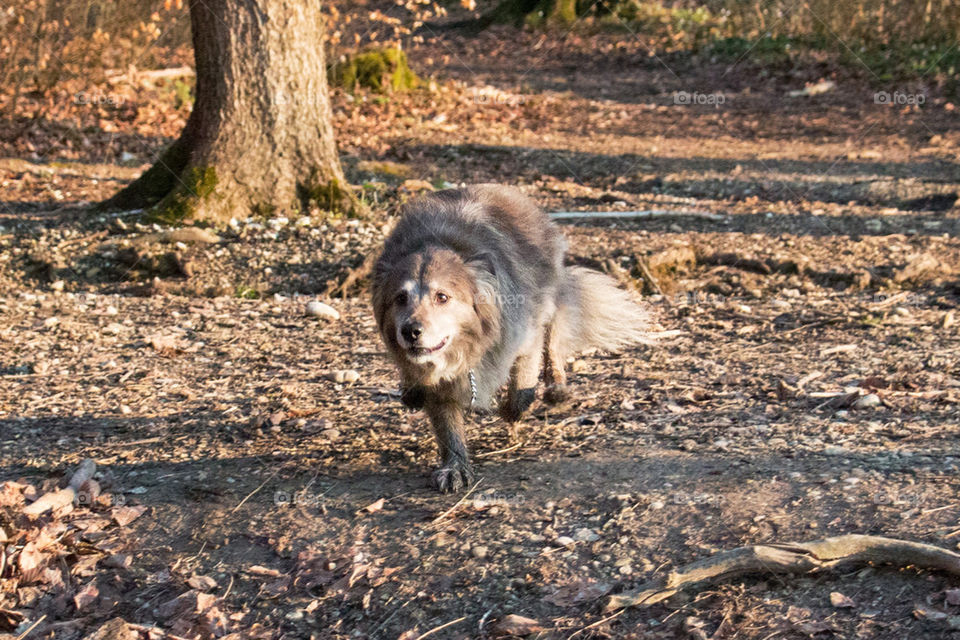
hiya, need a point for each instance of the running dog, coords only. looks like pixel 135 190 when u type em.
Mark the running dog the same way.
pixel 470 293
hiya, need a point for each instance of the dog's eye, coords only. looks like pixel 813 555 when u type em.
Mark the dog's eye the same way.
pixel 441 297
pixel 402 298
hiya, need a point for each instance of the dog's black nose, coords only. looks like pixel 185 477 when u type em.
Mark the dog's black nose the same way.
pixel 411 331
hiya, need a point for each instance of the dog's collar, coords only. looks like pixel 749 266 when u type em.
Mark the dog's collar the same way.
pixel 473 387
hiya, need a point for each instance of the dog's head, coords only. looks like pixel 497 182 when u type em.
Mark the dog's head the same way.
pixel 436 311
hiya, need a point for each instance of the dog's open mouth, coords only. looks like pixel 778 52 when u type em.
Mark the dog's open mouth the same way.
pixel 425 351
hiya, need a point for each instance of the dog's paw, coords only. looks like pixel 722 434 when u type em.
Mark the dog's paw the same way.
pixel 453 477
pixel 556 393
pixel 517 403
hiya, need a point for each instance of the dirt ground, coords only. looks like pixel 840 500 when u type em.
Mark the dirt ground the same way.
pixel 258 475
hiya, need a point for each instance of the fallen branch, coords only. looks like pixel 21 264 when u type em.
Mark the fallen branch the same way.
pixel 133 75
pixel 62 497
pixel 646 213
pixel 799 557
pixel 355 274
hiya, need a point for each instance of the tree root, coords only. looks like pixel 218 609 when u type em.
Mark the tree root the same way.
pixel 793 557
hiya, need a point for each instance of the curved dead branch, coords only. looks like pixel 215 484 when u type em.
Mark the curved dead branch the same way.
pixel 794 557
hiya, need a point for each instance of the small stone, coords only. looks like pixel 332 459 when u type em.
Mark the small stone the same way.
pixel 342 376
pixel 868 401
pixel 841 601
pixel 322 311
pixel 479 552
pixel 294 616
pixel 330 434
pixel 585 535
pixel 565 541
pixel 656 505
pixel 57 286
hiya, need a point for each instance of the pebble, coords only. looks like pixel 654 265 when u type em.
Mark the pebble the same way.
pixel 868 401
pixel 479 552
pixel 322 311
pixel 585 535
pixel 565 541
pixel 343 376
pixel 294 616
pixel 330 434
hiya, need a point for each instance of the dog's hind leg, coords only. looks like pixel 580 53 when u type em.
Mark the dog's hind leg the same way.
pixel 524 376
pixel 554 375
pixel 446 418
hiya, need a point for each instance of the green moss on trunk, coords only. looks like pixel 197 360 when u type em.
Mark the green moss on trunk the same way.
pixel 380 70
pixel 199 183
pixel 331 196
pixel 155 183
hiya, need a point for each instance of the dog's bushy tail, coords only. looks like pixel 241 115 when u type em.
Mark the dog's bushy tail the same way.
pixel 593 312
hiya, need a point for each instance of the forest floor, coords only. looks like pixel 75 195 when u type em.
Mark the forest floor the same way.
pixel 808 256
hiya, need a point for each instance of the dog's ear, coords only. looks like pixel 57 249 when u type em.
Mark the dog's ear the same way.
pixel 484 261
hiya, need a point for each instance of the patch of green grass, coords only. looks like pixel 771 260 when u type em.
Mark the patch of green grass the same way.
pixel 182 93
pixel 379 70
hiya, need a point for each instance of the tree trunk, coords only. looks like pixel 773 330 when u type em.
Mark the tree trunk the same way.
pixel 260 137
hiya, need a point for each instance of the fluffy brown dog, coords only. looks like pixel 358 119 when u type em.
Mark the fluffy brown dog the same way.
pixel 470 293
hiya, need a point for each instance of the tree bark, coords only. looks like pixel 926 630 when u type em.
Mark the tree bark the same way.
pixel 260 137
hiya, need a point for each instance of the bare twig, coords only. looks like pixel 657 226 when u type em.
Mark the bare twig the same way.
pixel 252 493
pixel 487 454
pixel 459 502
pixel 441 627
pixel 32 627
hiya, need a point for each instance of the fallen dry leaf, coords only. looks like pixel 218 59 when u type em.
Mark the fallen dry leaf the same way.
pixel 86 596
pixel 125 515
pixel 514 625
pixel 202 583
pixel 375 506
pixel 578 593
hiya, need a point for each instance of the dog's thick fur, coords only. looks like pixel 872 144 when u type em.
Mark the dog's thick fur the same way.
pixel 473 279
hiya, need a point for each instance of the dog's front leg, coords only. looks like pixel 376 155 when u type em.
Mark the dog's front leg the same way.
pixel 446 417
